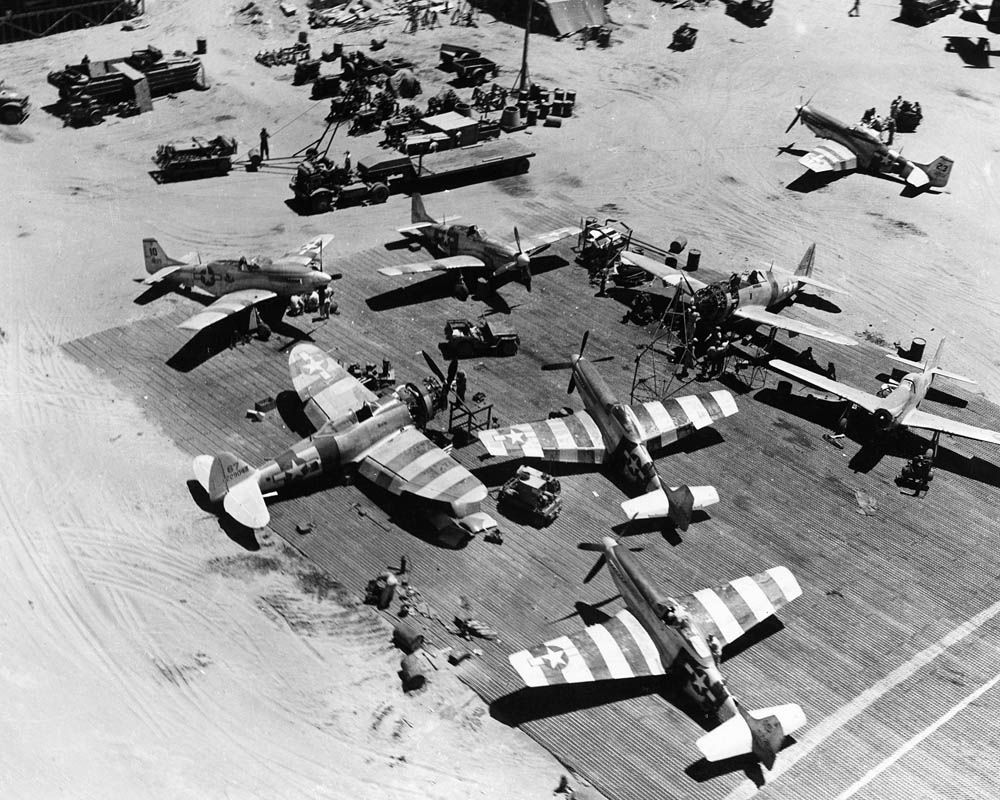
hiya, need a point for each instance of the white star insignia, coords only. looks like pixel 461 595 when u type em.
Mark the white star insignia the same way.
pixel 555 658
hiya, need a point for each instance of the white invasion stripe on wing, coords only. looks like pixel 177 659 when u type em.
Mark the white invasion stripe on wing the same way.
pixel 754 597
pixel 786 582
pixel 642 638
pixel 576 669
pixel 727 624
pixel 525 664
pixel 610 651
pixel 726 402
pixel 660 416
pixel 593 431
pixel 695 409
pixel 564 438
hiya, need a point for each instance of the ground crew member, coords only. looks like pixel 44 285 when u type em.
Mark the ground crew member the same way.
pixel 347 162
pixel 312 301
pixel 324 305
pixel 265 150
pixel 890 127
pixel 295 305
pixel 855 9
pixel 461 382
pixel 716 647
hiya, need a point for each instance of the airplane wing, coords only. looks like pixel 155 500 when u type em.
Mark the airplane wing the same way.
pixel 932 422
pixel 574 438
pixel 664 422
pixel 226 306
pixel 669 275
pixel 618 648
pixel 409 463
pixel 313 248
pixel 545 239
pixel 731 610
pixel 326 388
pixel 868 402
pixel 435 265
pixel 765 317
pixel 830 157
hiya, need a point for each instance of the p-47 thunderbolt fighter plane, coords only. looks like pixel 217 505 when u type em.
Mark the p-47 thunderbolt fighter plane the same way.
pixel 748 296
pixel 356 430
pixel 681 637
pixel 899 408
pixel 239 284
pixel 470 248
pixel 859 147
pixel 611 431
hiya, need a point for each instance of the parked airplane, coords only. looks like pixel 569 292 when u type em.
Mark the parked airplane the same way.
pixel 239 284
pixel 899 408
pixel 749 295
pixel 611 431
pixel 470 248
pixel 356 431
pixel 859 147
pixel 683 636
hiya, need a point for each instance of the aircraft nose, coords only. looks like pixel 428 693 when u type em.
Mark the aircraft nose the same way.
pixel 608 542
pixel 322 278
pixel 522 260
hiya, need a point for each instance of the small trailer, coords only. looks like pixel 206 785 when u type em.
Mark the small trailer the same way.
pixel 492 337
pixel 534 493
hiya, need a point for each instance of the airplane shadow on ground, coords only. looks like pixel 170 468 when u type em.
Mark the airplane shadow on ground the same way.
pixel 975 53
pixel 442 285
pixel 231 332
pixel 240 534
pixel 812 181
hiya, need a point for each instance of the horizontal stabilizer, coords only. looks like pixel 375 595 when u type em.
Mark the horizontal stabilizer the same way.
pixel 160 274
pixel 952 375
pixel 811 281
pixel 245 504
pixel 917 178
pixel 918 366
pixel 416 227
pixel 734 737
pixel 655 504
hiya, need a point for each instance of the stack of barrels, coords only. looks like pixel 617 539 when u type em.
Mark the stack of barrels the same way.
pixel 541 105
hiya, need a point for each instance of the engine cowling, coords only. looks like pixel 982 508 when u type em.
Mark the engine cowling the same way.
pixel 883 418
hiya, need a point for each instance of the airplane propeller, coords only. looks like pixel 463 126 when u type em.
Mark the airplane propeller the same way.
pixel 572 377
pixel 448 381
pixel 798 112
pixel 523 261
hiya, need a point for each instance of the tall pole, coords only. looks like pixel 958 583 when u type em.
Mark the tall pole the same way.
pixel 525 80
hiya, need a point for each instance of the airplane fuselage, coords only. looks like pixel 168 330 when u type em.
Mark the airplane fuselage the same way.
pixel 679 642
pixel 217 278
pixel 860 140
pixel 910 392
pixel 471 240
pixel 617 423
pixel 717 302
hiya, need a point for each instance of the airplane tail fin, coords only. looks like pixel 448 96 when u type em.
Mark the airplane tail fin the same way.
pixel 937 172
pixel 760 732
pixel 156 258
pixel 229 479
pixel 931 365
pixel 805 268
pixel 417 211
pixel 675 504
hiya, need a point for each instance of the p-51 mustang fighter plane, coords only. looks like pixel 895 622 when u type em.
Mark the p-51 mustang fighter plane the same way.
pixel 470 248
pixel 748 296
pixel 611 431
pixel 239 284
pixel 355 431
pixel 899 408
pixel 859 147
pixel 681 637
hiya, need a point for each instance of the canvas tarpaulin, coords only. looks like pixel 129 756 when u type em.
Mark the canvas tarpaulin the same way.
pixel 569 16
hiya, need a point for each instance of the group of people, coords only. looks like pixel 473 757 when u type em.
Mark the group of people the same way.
pixel 318 300
pixel 880 125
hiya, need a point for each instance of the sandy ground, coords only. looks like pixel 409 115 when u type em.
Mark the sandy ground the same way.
pixel 144 653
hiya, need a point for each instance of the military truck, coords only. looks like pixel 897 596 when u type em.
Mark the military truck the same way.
pixel 13 105
pixel 750 12
pixel 922 12
pixel 534 493
pixel 492 337
pixel 196 157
